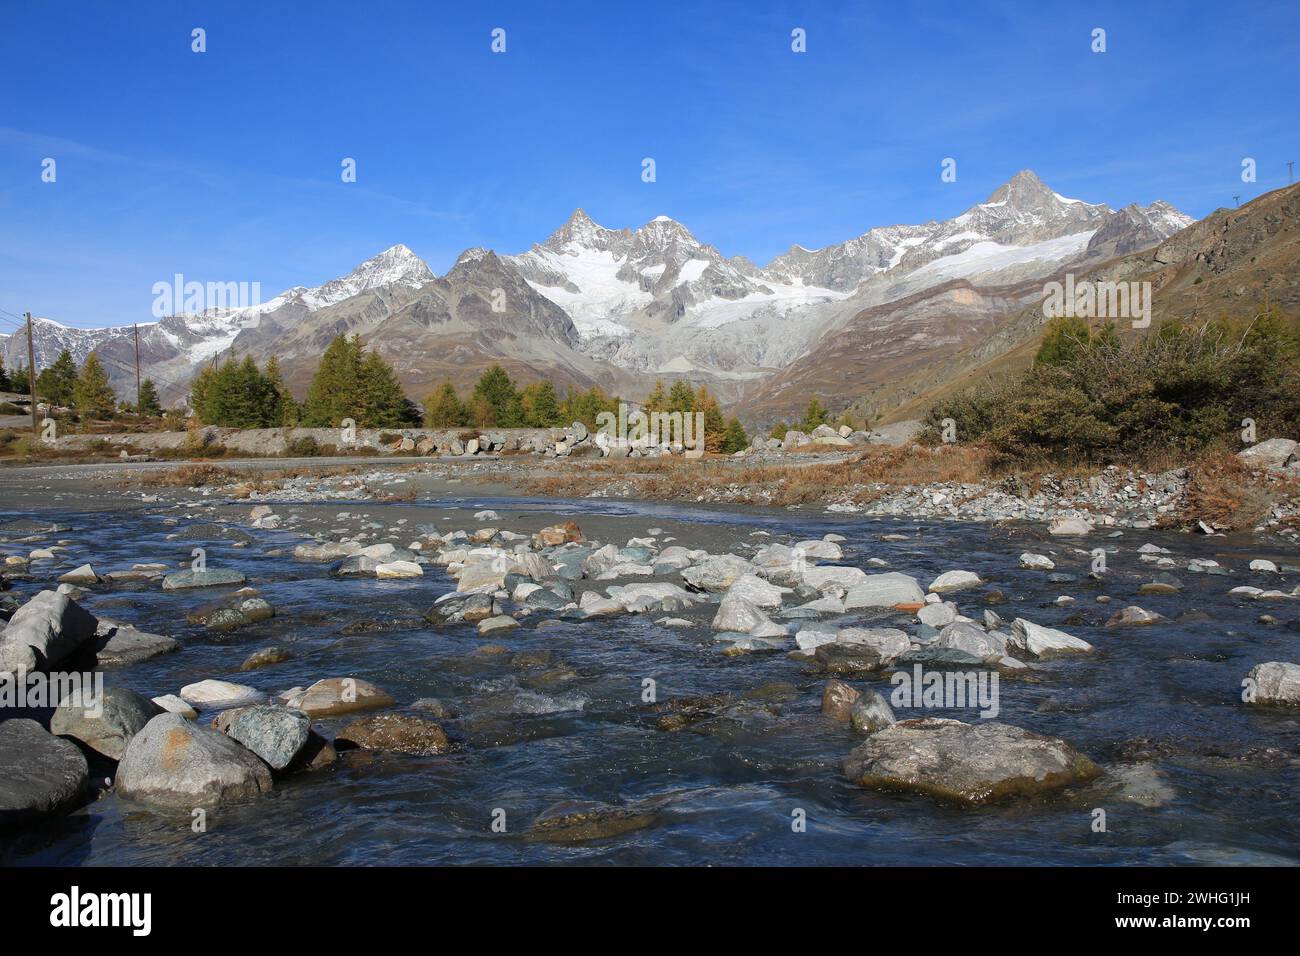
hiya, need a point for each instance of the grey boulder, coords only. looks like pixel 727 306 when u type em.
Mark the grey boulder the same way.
pixel 276 734
pixel 965 763
pixel 40 774
pixel 173 761
pixel 107 728
pixel 44 631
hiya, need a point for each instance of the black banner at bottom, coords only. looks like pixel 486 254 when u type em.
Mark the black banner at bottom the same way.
pixel 305 905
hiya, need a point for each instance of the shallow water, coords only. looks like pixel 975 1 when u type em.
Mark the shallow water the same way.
pixel 724 791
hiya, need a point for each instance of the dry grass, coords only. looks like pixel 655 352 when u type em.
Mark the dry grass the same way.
pixel 192 475
pixel 785 483
pixel 1226 494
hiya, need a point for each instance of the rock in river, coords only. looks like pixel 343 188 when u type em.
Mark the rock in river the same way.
pixel 117 645
pixel 40 774
pixel 44 631
pixel 1276 682
pixel 576 822
pixel 884 590
pixel 954 581
pixel 218 694
pixel 396 733
pixel 339 695
pixel 966 763
pixel 212 577
pixel 276 734
pixel 838 699
pixel 870 713
pixel 1047 642
pixel 107 727
pixel 173 761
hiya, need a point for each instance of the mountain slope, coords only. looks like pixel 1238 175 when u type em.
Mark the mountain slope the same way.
pixel 1230 263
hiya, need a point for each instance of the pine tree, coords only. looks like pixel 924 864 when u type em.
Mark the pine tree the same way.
pixel 333 395
pixel 200 388
pixel 5 384
pixel 814 415
pixel 281 410
pixel 58 383
pixel 715 426
pixel 444 409
pixel 587 406
pixel 734 439
pixel 92 395
pixel 541 406
pixel 497 399
pixel 778 431
pixel 19 379
pixel 149 403
pixel 681 398
pixel 657 401
pixel 383 404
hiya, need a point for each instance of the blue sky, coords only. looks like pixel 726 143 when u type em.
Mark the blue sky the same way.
pixel 225 165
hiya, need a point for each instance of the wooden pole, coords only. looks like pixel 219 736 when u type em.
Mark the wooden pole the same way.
pixel 31 372
pixel 136 327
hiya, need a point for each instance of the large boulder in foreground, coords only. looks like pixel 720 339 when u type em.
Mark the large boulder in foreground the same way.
pixel 40 774
pixel 121 714
pixel 44 631
pixel 965 763
pixel 174 761
pixel 1276 682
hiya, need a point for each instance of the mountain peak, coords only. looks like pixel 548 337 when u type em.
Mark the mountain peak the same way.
pixel 1024 190
pixel 580 230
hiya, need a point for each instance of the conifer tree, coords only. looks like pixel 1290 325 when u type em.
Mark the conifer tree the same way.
pixel 58 383
pixel 444 409
pixel 814 415
pixel 734 439
pixel 383 404
pixel 715 426
pixel 657 400
pixel 92 395
pixel 681 398
pixel 541 406
pixel 334 392
pixel 497 400
pixel 149 403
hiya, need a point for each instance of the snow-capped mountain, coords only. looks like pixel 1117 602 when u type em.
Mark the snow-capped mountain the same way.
pixel 173 347
pixel 620 307
pixel 658 300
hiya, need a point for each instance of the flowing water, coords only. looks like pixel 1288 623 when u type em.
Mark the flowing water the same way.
pixel 727 790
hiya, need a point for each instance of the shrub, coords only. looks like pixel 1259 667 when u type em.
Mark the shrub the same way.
pixel 1092 398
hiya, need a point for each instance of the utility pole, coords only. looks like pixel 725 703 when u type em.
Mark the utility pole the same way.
pixel 136 327
pixel 1290 172
pixel 31 372
pixel 1237 200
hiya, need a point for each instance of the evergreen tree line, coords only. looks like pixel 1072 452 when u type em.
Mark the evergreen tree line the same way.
pixel 496 401
pixel 85 390
pixel 354 382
